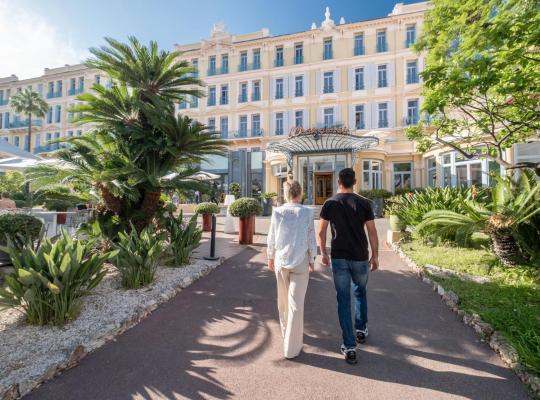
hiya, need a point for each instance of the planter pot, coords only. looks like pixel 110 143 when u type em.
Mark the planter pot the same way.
pixel 61 218
pixel 267 207
pixel 246 228
pixel 207 222
pixel 396 224
pixel 378 206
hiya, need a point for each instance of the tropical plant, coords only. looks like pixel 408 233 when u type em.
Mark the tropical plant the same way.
pixel 245 207
pixel 183 237
pixel 207 208
pixel 11 181
pixel 138 256
pixel 48 283
pixel 31 104
pixel 136 139
pixel 375 194
pixel 513 204
pixel 19 228
pixel 234 189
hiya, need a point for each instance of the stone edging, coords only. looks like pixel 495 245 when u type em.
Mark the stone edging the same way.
pixel 71 358
pixel 496 341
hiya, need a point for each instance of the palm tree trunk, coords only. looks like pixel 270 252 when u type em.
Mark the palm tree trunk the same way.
pixel 27 185
pixel 505 247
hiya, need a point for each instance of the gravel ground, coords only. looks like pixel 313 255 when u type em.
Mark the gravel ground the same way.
pixel 30 355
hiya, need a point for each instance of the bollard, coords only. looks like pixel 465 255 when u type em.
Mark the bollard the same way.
pixel 212 241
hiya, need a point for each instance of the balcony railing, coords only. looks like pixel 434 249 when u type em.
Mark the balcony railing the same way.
pixel 382 47
pixel 242 98
pixel 245 133
pixel 411 79
pixel 4 102
pixel 359 86
pixel 411 120
pixel 382 123
pixel 23 123
pixel 321 125
pixel 299 59
pixel 360 125
pixel 327 55
pixel 249 66
pixel 211 102
pixel 409 42
pixel 52 95
pixel 278 62
pixel 328 89
pixel 218 71
pixel 298 93
pixel 256 97
pixel 359 50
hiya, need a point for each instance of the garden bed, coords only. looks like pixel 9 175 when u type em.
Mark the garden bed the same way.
pixel 30 355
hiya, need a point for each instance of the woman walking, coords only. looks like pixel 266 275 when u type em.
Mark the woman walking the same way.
pixel 291 253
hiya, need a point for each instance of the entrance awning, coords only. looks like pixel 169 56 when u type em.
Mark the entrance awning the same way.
pixel 318 141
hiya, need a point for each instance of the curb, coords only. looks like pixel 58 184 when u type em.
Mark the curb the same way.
pixel 71 359
pixel 496 341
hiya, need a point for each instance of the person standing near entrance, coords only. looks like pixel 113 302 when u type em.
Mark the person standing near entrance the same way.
pixel 6 202
pixel 291 253
pixel 347 214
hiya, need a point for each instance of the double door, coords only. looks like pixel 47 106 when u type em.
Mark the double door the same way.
pixel 324 186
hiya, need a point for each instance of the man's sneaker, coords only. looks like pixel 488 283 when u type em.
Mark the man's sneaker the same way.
pixel 349 353
pixel 361 335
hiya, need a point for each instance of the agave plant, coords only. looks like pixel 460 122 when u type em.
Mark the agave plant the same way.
pixel 512 205
pixel 183 238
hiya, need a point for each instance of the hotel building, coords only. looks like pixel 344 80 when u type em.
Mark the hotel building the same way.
pixel 271 97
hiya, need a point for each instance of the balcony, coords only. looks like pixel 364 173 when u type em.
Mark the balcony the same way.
pixel 322 125
pixel 243 98
pixel 4 102
pixel 52 95
pixel 328 89
pixel 256 97
pixel 298 93
pixel 359 50
pixel 327 55
pixel 412 79
pixel 382 47
pixel 242 67
pixel 359 86
pixel 299 59
pixel 218 71
pixel 245 133
pixel 360 125
pixel 382 123
pixel 411 120
pixel 23 123
pixel 47 148
pixel 278 62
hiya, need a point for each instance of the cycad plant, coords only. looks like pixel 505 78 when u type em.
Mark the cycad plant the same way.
pixel 184 237
pixel 31 104
pixel 512 205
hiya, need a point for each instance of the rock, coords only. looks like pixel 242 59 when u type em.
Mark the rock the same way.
pixel 483 328
pixel 76 356
pixel 10 393
pixel 440 290
pixel 450 298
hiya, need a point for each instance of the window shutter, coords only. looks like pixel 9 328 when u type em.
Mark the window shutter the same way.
pixel 337 115
pixel 351 117
pixel 373 116
pixel 272 124
pixel 337 78
pixel 420 66
pixel 292 83
pixel 286 92
pixel 272 88
pixel 391 77
pixel 307 123
pixel 305 82
pixel 391 114
pixel 371 81
pixel 318 82
pixel 350 80
pixel 320 118
pixel 286 122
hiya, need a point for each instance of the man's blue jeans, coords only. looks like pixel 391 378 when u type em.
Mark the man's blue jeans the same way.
pixel 345 272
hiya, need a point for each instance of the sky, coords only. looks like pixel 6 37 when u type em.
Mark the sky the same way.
pixel 35 34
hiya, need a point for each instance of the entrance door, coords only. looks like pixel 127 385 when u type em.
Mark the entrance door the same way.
pixel 324 186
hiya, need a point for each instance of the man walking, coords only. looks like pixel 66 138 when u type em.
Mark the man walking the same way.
pixel 347 213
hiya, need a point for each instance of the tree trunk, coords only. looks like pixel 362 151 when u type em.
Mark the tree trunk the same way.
pixel 111 202
pixel 27 185
pixel 505 247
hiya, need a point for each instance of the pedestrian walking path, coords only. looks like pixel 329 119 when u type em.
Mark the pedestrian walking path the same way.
pixel 220 339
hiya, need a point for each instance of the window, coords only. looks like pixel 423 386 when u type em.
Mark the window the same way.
pixel 382 76
pixel 50 92
pixel 243 96
pixel 459 171
pixel 212 96
pixel 194 102
pixel 359 44
pixel 328 82
pixel 298 53
pixel 279 56
pixel 211 124
pixel 49 116
pixel 279 88
pixel 224 63
pixel 299 118
pixel 58 113
pixel 256 125
pixel 410 38
pixel 383 115
pixel 381 41
pixel 224 97
pixel 58 89
pixel 97 79
pixel 327 49
pixel 1 115
pixel 242 126
pixel 256 58
pixel 37 140
pixel 70 134
pixel 371 174
pixel 6 120
pixel 359 117
pixel 182 104
pixel 212 65
pixel 431 167
pixel 279 123
pixel 299 86
pixel 256 96
pixel 243 61
pixel 71 90
pixel 79 133
pixel 359 78
pixel 224 126
pixel 402 175
pixel 16 141
pixel 328 117
pixel 81 84
pixel 412 112
pixel 195 66
pixel 412 72
pixel 26 143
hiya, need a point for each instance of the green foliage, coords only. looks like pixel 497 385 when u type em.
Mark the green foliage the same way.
pixel 207 208
pixel 138 256
pixel 49 282
pixel 482 76
pixel 245 207
pixel 19 228
pixel 11 181
pixel 268 195
pixel 234 189
pixel 183 238
pixel 375 194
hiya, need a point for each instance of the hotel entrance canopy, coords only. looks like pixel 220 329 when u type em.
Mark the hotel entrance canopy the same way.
pixel 321 140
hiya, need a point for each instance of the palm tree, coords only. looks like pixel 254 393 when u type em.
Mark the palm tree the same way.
pixel 30 103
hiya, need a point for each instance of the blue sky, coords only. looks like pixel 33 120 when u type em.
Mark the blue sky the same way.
pixel 51 33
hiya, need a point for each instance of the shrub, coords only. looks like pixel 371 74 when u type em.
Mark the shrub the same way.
pixel 11 181
pixel 138 256
pixel 245 207
pixel 268 195
pixel 234 189
pixel 19 228
pixel 48 283
pixel 207 208
pixel 375 194
pixel 183 238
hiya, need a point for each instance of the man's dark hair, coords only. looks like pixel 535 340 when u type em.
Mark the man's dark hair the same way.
pixel 5 195
pixel 347 178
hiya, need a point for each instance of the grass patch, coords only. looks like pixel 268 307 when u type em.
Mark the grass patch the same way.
pixel 510 302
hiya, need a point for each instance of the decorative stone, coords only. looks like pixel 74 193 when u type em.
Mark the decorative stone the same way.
pixel 10 393
pixel 450 298
pixel 483 328
pixel 76 356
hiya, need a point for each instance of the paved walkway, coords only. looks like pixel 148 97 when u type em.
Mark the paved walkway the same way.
pixel 220 339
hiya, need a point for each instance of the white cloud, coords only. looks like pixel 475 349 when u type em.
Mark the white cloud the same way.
pixel 29 43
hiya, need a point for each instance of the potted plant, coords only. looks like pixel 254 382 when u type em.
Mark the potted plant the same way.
pixel 20 228
pixel 245 208
pixel 377 196
pixel 266 200
pixel 392 213
pixel 60 206
pixel 207 209
pixel 234 189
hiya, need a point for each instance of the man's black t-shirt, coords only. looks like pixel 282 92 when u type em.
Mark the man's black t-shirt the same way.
pixel 347 213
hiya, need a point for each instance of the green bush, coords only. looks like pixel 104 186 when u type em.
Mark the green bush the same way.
pixel 268 195
pixel 375 194
pixel 138 256
pixel 19 227
pixel 245 207
pixel 207 208
pixel 11 181
pixel 48 283
pixel 183 238
pixel 234 189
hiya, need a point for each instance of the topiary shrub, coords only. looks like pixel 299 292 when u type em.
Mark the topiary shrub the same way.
pixel 245 207
pixel 19 226
pixel 234 189
pixel 207 208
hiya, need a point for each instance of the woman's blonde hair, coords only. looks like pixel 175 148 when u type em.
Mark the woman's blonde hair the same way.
pixel 291 190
